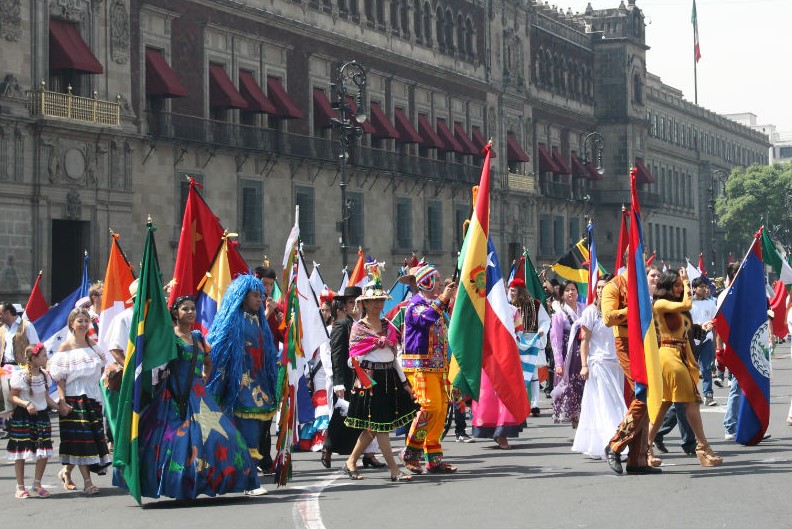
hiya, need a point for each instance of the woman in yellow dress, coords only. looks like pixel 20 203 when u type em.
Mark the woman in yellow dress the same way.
pixel 680 370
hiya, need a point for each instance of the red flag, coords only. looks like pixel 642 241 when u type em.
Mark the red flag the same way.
pixel 36 305
pixel 622 246
pixel 651 259
pixel 778 304
pixel 701 264
pixel 235 261
pixel 200 238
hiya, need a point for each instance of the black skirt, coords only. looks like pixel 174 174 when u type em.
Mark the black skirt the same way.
pixel 82 434
pixel 384 406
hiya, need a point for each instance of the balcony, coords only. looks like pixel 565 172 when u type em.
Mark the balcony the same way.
pixel 520 182
pixel 605 197
pixel 44 103
pixel 195 129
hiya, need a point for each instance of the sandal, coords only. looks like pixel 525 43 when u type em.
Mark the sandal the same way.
pixel 90 489
pixel 353 474
pixel 503 443
pixel 68 484
pixel 21 494
pixel 39 491
pixel 441 468
pixel 401 477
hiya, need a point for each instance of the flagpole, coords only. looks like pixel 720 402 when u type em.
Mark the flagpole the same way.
pixel 696 53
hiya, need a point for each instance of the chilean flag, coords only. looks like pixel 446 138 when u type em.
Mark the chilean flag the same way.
pixel 741 322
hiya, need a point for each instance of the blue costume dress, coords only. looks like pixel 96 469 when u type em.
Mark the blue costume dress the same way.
pixel 187 445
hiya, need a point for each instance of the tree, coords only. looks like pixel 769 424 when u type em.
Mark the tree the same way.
pixel 755 196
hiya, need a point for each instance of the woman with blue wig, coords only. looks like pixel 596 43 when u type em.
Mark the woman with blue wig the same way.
pixel 244 359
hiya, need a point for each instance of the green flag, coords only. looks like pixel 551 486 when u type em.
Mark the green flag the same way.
pixel 775 256
pixel 532 280
pixel 152 343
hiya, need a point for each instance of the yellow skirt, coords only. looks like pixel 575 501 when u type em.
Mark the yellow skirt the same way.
pixel 678 382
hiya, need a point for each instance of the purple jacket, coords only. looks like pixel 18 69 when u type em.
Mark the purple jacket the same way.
pixel 425 336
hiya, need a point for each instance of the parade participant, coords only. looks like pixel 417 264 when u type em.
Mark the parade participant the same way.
pixel 568 391
pixel 29 426
pixel 77 368
pixel 15 335
pixel 703 311
pixel 533 320
pixel 187 445
pixel 633 431
pixel 273 310
pixel 552 305
pixel 425 361
pixel 680 369
pixel 379 405
pixel 603 406
pixel 244 358
pixel 341 439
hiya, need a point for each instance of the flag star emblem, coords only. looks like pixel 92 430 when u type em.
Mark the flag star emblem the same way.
pixel 209 421
pixel 490 263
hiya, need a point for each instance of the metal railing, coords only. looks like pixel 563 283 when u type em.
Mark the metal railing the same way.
pixel 69 106
pixel 519 182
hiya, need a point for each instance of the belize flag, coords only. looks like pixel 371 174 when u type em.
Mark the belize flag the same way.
pixel 481 332
pixel 741 322
pixel 644 354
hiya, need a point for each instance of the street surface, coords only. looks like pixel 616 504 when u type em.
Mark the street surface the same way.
pixel 539 484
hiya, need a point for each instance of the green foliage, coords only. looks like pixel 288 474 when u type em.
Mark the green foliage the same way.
pixel 755 196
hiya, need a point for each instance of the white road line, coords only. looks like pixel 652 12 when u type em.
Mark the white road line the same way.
pixel 307 513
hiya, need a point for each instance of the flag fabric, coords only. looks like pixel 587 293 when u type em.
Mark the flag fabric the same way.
pixel 531 278
pixel 152 343
pixel 741 322
pixel 359 278
pixel 775 256
pixel 200 238
pixel 644 354
pixel 213 287
pixel 651 259
pixel 313 329
pixel 398 294
pixel 778 304
pixel 481 332
pixel 692 271
pixel 344 280
pixel 574 264
pixel 115 293
pixel 52 327
pixel 696 45
pixel 36 305
pixel 236 263
pixel 701 266
pixel 621 247
pixel 593 267
pixel 316 279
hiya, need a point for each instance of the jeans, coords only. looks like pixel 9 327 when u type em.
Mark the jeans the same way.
pixel 677 414
pixel 706 356
pixel 732 407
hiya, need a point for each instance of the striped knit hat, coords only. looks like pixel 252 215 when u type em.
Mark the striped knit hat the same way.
pixel 426 277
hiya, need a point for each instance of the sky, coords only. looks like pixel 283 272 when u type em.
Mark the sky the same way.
pixel 746 53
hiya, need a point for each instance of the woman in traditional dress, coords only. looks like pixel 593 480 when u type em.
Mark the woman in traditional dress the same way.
pixel 77 368
pixel 603 407
pixel 382 398
pixel 680 370
pixel 568 391
pixel 187 445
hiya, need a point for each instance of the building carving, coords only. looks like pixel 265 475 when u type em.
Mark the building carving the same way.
pixel 119 32
pixel 10 19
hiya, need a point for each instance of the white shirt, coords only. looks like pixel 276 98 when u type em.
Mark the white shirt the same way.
pixel 19 380
pixel 118 333
pixel 30 331
pixel 703 310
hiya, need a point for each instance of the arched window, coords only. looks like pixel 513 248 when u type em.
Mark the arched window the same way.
pixel 405 17
pixel 394 14
pixel 449 31
pixel 368 9
pixel 342 6
pixel 417 19
pixel 469 47
pixel 460 39
pixel 439 28
pixel 637 89
pixel 427 23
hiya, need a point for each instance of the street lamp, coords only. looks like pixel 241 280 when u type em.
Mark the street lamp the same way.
pixel 718 176
pixel 349 128
pixel 597 145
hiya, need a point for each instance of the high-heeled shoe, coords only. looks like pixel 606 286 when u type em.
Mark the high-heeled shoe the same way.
pixel 327 458
pixel 370 461
pixel 706 456
pixel 401 477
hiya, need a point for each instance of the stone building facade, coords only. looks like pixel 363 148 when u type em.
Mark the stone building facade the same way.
pixel 107 106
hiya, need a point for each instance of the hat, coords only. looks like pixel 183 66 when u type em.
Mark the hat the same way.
pixel 409 276
pixel 517 283
pixel 83 303
pixel 133 286
pixel 327 295
pixel 349 292
pixel 426 276
pixel 373 289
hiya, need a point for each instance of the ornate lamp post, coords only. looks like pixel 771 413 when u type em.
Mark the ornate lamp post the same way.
pixel 718 182
pixel 597 145
pixel 348 129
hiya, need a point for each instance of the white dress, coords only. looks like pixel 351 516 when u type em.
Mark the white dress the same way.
pixel 603 407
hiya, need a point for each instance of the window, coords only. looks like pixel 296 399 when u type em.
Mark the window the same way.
pixel 251 217
pixel 434 217
pixel 637 89
pixel 665 242
pixel 684 243
pixel 304 197
pixel 545 237
pixel 574 230
pixel 558 235
pixel 679 243
pixel 462 213
pixel 404 223
pixel 355 201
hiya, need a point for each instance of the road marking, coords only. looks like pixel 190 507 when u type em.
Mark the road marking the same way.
pixel 307 513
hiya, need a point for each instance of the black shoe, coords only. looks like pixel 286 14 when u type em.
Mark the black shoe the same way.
pixel 536 412
pixel 614 460
pixel 327 458
pixel 369 461
pixel 643 470
pixel 660 445
pixel 718 382
pixel 691 451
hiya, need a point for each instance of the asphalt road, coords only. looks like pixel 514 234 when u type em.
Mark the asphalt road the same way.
pixel 538 484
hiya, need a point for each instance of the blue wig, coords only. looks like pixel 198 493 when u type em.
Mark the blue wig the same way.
pixel 226 336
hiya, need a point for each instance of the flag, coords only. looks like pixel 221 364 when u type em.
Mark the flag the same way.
pixel 344 280
pixel 573 265
pixel 52 327
pixel 778 304
pixel 531 278
pixel 701 266
pixel 118 277
pixel 775 256
pixel 692 271
pixel 316 279
pixel 236 263
pixel 741 322
pixel 213 287
pixel 621 247
pixel 36 305
pixel 313 329
pixel 644 354
pixel 593 267
pixel 152 343
pixel 481 332
pixel 359 278
pixel 200 238
pixel 398 294
pixel 696 46
pixel 651 259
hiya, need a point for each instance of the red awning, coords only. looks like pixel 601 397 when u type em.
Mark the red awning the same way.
pixel 284 106
pixel 407 133
pixel 256 98
pixel 429 137
pixel 323 111
pixel 478 139
pixel 382 125
pixel 463 139
pixel 514 152
pixel 562 164
pixel 643 176
pixel 451 144
pixel 546 162
pixel 68 50
pixel 222 92
pixel 367 127
pixel 160 78
pixel 578 169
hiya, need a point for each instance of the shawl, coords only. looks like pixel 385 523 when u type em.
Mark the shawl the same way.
pixel 363 340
